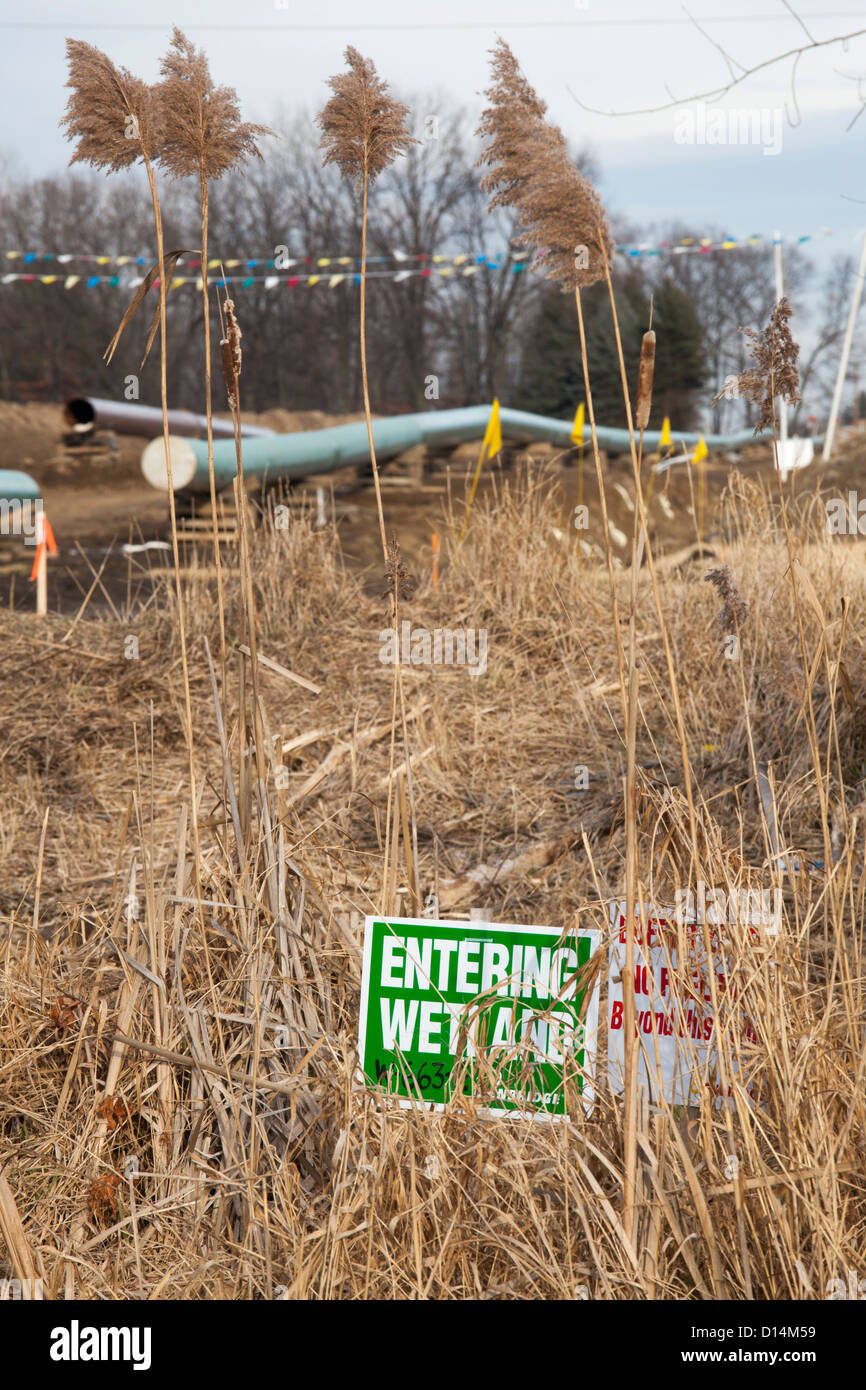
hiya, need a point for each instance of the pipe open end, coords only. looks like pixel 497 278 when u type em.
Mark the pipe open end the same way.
pixel 79 414
pixel 183 463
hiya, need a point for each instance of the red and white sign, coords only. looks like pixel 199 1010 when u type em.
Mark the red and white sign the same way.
pixel 675 1022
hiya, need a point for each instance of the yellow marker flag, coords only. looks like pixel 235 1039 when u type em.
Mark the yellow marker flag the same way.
pixel 665 441
pixel 493 433
pixel 490 445
pixel 577 427
pixel 701 451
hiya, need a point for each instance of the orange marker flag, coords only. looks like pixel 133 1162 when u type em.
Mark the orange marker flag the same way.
pixel 46 538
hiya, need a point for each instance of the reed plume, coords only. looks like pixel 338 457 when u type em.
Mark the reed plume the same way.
pixel 113 116
pixel 363 131
pixel 559 214
pixel 363 128
pixel 203 137
pixel 203 134
pixel 117 119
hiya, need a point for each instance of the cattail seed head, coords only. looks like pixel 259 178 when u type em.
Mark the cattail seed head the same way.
pixel 645 380
pixel 231 354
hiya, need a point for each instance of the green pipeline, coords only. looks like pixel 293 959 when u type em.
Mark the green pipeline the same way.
pixel 320 451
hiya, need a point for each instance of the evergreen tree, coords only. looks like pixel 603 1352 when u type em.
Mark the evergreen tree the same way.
pixel 551 379
pixel 680 367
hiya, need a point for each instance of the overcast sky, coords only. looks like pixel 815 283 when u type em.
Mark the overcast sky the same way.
pixel 614 55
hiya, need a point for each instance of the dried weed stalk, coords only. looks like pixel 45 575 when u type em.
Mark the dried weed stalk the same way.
pixel 400 583
pixel 203 136
pixel 775 370
pixel 734 610
pixel 363 131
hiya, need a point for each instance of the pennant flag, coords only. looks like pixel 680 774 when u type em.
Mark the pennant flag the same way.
pixel 271 282
pixel 577 427
pixel 46 538
pixel 335 280
pixel 665 440
pixel 493 433
pixel 701 451
pixel 70 281
pixel 490 445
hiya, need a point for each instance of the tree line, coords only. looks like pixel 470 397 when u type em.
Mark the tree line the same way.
pixel 432 342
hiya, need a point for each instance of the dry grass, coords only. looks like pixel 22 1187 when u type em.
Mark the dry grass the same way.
pixel 261 1167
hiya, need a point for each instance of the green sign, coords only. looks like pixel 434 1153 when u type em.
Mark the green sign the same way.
pixel 487 1009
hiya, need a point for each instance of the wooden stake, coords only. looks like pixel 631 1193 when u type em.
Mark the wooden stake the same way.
pixel 42 580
